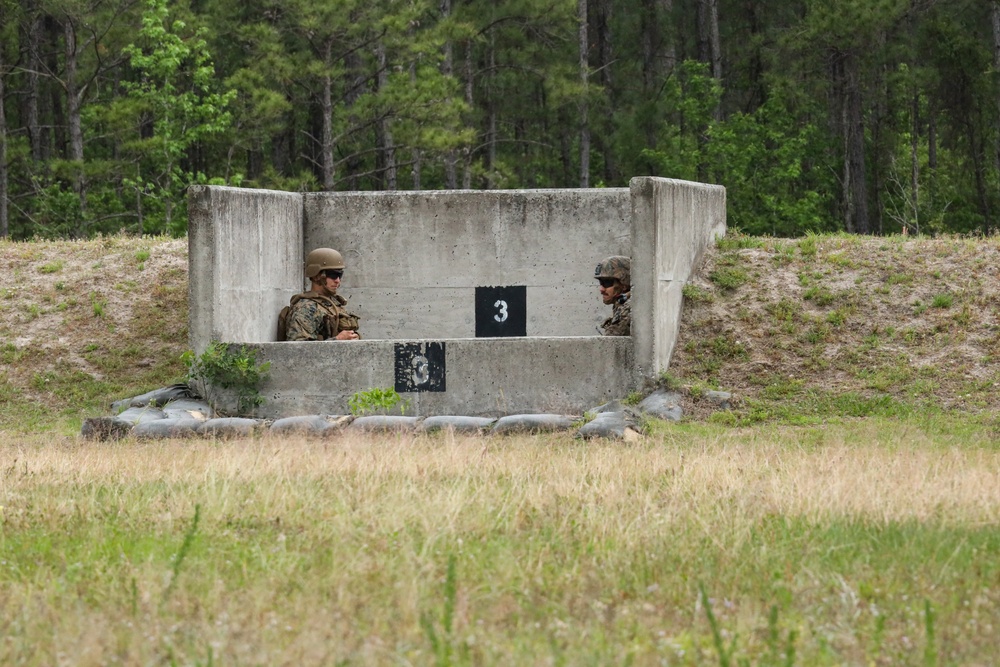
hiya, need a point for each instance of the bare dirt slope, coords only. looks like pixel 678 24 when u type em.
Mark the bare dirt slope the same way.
pixel 811 327
pixel 82 322
pixel 845 325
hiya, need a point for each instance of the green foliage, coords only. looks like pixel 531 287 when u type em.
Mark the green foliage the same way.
pixel 944 300
pixel 375 400
pixel 98 304
pixel 696 293
pixel 729 277
pixel 633 398
pixel 490 95
pixel 223 366
pixel 51 267
pixel 177 90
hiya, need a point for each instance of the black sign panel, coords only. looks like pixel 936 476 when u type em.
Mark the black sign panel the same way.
pixel 501 311
pixel 420 367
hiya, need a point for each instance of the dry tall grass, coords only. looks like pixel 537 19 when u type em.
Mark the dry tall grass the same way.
pixel 317 551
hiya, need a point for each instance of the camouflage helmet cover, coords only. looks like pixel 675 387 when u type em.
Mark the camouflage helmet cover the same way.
pixel 617 267
pixel 321 259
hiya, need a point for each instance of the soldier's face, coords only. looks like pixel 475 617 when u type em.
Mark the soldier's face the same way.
pixel 609 289
pixel 330 284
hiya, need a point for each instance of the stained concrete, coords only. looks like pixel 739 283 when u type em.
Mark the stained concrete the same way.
pixel 484 377
pixel 415 261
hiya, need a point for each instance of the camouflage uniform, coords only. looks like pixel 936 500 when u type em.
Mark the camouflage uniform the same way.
pixel 619 268
pixel 620 322
pixel 317 317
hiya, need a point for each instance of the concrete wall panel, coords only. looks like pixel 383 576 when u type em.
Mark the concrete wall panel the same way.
pixel 408 251
pixel 673 222
pixel 484 377
pixel 245 258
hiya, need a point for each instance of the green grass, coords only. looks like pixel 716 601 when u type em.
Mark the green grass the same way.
pixel 699 544
pixel 729 278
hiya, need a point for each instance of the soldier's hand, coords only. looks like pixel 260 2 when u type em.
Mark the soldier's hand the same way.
pixel 348 335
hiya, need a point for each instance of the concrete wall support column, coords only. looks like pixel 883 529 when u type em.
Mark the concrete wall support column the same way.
pixel 245 261
pixel 673 222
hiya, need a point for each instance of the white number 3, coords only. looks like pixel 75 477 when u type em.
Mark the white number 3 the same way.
pixel 502 315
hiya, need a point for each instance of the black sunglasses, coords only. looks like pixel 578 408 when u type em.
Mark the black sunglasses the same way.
pixel 606 282
pixel 333 274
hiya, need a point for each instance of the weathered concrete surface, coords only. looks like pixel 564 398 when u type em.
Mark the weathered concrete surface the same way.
pixel 485 376
pixel 414 259
pixel 245 261
pixel 673 222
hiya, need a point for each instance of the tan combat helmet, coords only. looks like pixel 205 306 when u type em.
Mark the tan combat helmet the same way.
pixel 321 259
pixel 617 267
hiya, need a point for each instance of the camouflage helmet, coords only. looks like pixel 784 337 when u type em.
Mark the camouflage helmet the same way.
pixel 617 267
pixel 321 259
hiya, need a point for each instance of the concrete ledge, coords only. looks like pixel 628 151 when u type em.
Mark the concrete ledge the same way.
pixel 478 377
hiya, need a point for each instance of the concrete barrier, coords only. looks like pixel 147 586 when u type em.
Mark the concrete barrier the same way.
pixel 468 376
pixel 489 293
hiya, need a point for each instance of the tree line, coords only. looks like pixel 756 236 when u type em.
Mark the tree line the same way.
pixel 867 116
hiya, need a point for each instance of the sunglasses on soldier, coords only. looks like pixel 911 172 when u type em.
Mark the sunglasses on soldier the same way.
pixel 606 282
pixel 333 273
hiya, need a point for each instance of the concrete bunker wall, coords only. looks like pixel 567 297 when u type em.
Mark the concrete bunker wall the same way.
pixel 424 269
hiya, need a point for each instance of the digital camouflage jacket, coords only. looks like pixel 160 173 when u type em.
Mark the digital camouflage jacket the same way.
pixel 620 322
pixel 316 317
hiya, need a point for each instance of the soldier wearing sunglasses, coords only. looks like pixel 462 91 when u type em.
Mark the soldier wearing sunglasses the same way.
pixel 320 313
pixel 614 277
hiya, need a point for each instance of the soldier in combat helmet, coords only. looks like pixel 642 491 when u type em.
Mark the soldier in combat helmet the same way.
pixel 320 313
pixel 614 277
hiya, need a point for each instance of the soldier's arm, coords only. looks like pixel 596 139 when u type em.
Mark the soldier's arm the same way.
pixel 305 322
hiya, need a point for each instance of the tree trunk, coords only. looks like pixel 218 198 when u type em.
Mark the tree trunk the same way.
pixel 491 127
pixel 387 148
pixel 467 152
pixel 855 178
pixel 4 222
pixel 33 65
pixel 658 59
pixel 584 103
pixel 326 105
pixel 602 22
pixel 448 69
pixel 995 15
pixel 709 43
pixel 915 163
pixel 355 89
pixel 74 105
pixel 417 156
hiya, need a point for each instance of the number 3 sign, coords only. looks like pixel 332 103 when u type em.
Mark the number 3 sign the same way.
pixel 501 311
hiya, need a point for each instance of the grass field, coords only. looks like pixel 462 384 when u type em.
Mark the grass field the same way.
pixel 845 511
pixel 861 542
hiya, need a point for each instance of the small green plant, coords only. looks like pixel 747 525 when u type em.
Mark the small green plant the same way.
pixel 942 300
pixel 60 285
pixel 900 279
pixel 696 294
pixel 807 246
pixel 52 267
pixel 729 278
pixel 634 398
pixel 737 241
pixel 98 304
pixel 33 310
pixel 375 400
pixel 820 295
pixel 837 317
pixel 919 308
pixel 670 382
pixel 224 366
pixel 142 255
